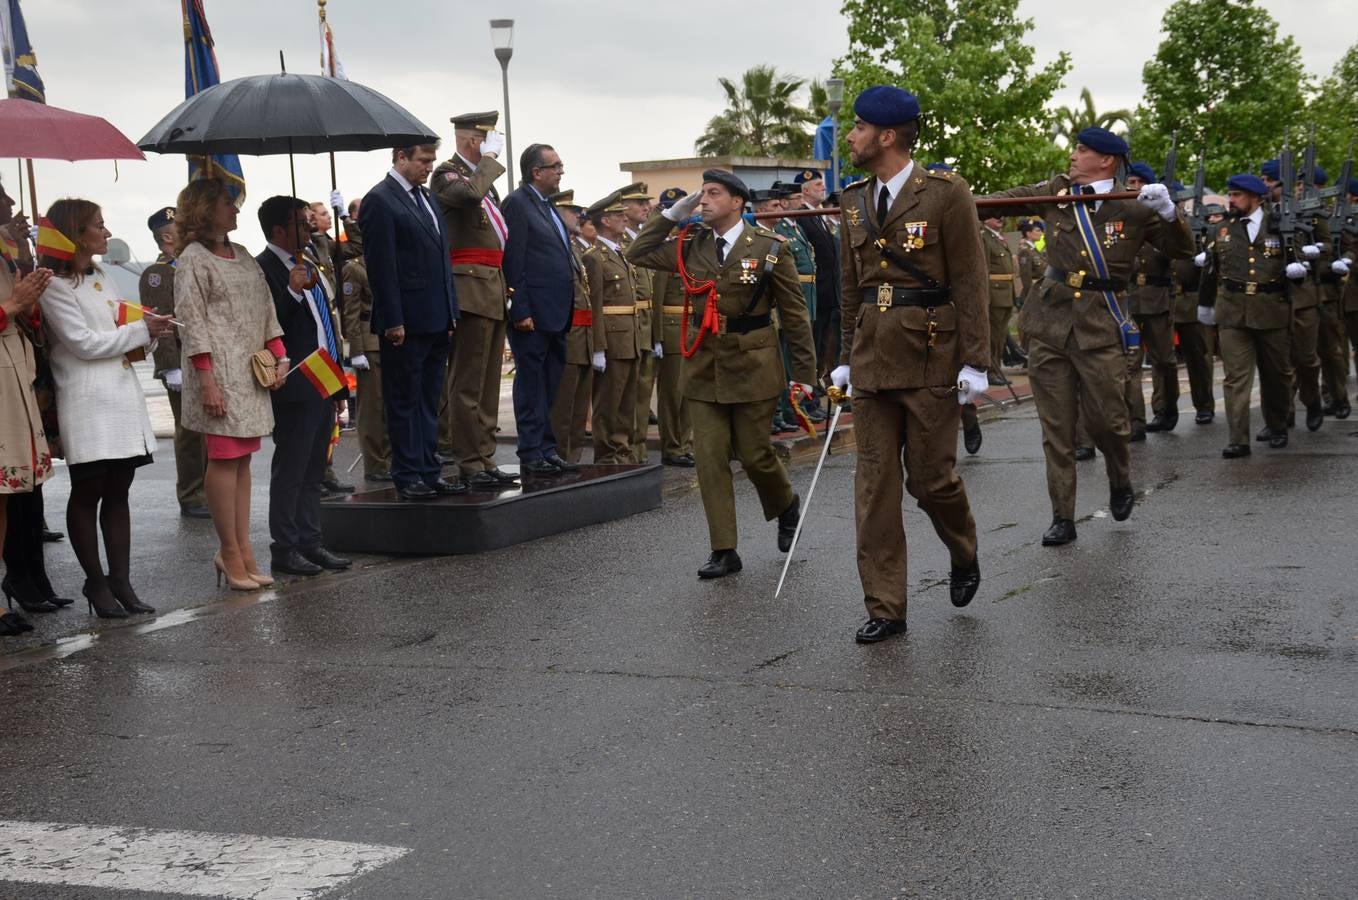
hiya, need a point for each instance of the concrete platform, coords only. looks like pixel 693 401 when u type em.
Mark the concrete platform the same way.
pixel 480 520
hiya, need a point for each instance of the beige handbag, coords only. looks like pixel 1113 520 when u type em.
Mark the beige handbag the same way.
pixel 265 366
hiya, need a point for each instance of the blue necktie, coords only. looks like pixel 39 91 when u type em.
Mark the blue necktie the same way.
pixel 322 312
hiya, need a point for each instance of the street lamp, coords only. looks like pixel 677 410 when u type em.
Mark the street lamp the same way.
pixel 834 99
pixel 502 39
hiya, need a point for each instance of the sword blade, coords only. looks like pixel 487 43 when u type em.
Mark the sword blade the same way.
pixel 810 492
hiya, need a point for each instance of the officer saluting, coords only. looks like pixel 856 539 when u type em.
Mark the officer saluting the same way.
pixel 915 314
pixel 736 275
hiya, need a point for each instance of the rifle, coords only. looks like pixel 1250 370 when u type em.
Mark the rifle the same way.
pixel 1288 226
pixel 1310 203
pixel 1339 213
pixel 1171 164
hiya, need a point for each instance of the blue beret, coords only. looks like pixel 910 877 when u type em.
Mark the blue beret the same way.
pixel 1101 140
pixel 670 195
pixel 728 181
pixel 1141 170
pixel 806 175
pixel 1322 177
pixel 886 105
pixel 1248 182
pixel 939 167
pixel 160 218
pixel 1271 169
pixel 1175 185
pixel 1353 185
pixel 1030 224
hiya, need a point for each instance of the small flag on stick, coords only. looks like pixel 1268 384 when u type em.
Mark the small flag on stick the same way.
pixel 323 373
pixel 52 243
pixel 126 313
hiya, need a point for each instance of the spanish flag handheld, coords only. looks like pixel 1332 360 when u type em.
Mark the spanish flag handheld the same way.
pixel 323 372
pixel 125 313
pixel 9 249
pixel 52 243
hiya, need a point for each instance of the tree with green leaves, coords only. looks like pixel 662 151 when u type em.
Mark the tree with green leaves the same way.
pixel 984 102
pixel 762 118
pixel 1222 79
pixel 1071 120
pixel 1334 110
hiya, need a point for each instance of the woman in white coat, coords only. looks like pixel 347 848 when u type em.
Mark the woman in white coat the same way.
pixel 105 428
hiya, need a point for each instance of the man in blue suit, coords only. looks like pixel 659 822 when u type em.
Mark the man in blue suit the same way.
pixel 540 273
pixel 414 313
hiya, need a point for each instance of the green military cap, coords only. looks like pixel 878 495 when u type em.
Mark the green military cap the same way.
pixel 481 121
pixel 565 199
pixel 635 191
pixel 767 194
pixel 610 204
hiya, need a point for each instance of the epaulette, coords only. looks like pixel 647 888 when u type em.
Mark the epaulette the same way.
pixel 766 232
pixel 856 186
pixel 940 173
pixel 591 248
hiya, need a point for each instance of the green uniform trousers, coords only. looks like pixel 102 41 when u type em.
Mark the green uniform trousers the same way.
pixel 570 410
pixel 1157 339
pixel 999 330
pixel 190 457
pixel 1194 342
pixel 1241 350
pixel 676 432
pixel 641 420
pixel 1331 345
pixel 373 441
pixel 615 400
pixel 723 430
pixel 1305 358
pixel 472 393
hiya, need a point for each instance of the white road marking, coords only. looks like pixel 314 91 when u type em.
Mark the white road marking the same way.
pixel 236 866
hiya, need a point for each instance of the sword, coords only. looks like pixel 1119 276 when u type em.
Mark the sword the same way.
pixel 837 397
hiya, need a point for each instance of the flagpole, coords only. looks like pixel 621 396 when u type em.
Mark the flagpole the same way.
pixel 32 190
pixel 328 61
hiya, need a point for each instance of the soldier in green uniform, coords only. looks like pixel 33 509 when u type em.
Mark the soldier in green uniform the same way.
pixel 1244 292
pixel 805 260
pixel 1330 341
pixel 156 289
pixel 612 288
pixel 1197 341
pixel 738 275
pixel 570 410
pixel 676 432
pixel 636 207
pixel 770 201
pixel 1342 267
pixel 465 187
pixel 1032 262
pixel 365 355
pixel 1148 302
pixel 1076 322
pixel 1001 269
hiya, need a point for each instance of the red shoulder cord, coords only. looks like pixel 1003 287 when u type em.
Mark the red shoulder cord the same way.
pixel 691 288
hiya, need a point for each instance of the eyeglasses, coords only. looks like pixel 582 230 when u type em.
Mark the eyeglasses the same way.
pixel 556 166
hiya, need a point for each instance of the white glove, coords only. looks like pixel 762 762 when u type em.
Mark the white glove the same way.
pixel 337 201
pixel 1156 196
pixel 683 207
pixel 1340 267
pixel 1200 260
pixel 494 144
pixel 658 350
pixel 1310 251
pixel 359 362
pixel 33 233
pixel 972 383
pixel 807 389
pixel 599 361
pixel 1295 271
pixel 1207 315
pixel 174 379
pixel 839 377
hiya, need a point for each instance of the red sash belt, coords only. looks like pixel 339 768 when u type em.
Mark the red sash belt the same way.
pixel 477 256
pixel 582 318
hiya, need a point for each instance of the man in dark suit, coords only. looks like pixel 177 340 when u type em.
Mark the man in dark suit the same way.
pixel 825 247
pixel 303 420
pixel 414 312
pixel 540 274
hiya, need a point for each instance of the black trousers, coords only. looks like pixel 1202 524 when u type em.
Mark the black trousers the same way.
pixel 23 539
pixel 539 360
pixel 412 386
pixel 301 437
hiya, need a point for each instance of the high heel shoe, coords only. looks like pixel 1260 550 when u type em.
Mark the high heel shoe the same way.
pixel 44 587
pixel 252 570
pixel 248 584
pixel 121 589
pixel 12 624
pixel 30 601
pixel 101 601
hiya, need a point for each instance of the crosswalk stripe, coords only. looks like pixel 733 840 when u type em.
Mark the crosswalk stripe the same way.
pixel 199 864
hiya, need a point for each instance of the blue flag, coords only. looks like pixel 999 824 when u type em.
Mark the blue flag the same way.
pixel 200 71
pixel 26 85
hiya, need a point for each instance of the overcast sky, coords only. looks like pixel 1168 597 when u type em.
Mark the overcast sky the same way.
pixel 604 81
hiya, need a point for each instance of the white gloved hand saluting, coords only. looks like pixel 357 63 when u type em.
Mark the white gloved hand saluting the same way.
pixel 1200 260
pixel 1206 315
pixel 972 383
pixel 1310 251
pixel 359 362
pixel 337 201
pixel 1340 267
pixel 494 144
pixel 1156 196
pixel 174 379
pixel 1295 271
pixel 599 361
pixel 683 207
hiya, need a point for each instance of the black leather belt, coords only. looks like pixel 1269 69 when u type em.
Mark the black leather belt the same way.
pixel 886 296
pixel 1083 280
pixel 1152 280
pixel 737 324
pixel 1250 288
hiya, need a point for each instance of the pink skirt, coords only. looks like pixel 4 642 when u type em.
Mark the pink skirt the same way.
pixel 221 446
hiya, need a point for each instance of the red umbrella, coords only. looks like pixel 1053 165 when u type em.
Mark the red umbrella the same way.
pixel 31 130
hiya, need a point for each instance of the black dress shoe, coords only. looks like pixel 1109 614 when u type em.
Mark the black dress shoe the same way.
pixel 448 488
pixel 1163 422
pixel 416 491
pixel 1235 451
pixel 563 465
pixel 197 511
pixel 1084 454
pixel 1120 502
pixel 683 462
pixel 483 480
pixel 51 537
pixel 378 477
pixel 502 476
pixel 787 523
pixel 1204 417
pixel 1264 434
pixel 1342 410
pixel 963 582
pixel 538 467
pixel 1138 434
pixel 720 564
pixel 1278 440
pixel 444 459
pixel 971 439
pixel 1315 417
pixel 335 486
pixel 875 630
pixel 325 559
pixel 294 563
pixel 1329 408
pixel 1062 531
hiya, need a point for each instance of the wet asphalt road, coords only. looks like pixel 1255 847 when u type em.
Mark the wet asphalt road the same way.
pixel 1168 706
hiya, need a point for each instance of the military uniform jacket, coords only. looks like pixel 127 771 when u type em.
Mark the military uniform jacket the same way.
pixel 1349 250
pixel 803 257
pixel 1032 263
pixel 356 310
pixel 612 283
pixel 1231 255
pixel 1186 277
pixel 156 289
pixel 999 262
pixel 1056 308
pixel 1311 290
pixel 1149 293
pixel 580 339
pixel 460 189
pixel 933 225
pixel 667 327
pixel 643 280
pixel 736 368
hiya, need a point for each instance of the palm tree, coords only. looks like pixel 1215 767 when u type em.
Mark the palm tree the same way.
pixel 1070 121
pixel 762 118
